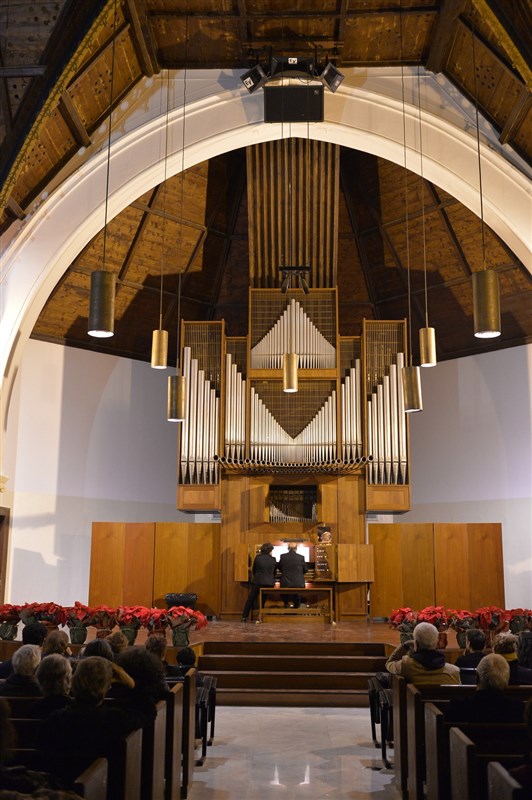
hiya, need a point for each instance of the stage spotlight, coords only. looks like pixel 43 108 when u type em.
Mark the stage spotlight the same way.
pixel 304 284
pixel 254 78
pixel 331 77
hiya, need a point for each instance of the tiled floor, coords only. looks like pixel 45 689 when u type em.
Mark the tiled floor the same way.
pixel 270 753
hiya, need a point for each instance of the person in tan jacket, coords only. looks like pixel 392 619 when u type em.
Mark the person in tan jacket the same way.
pixel 419 661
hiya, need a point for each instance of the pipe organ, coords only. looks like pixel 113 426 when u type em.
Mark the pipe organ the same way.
pixel 347 416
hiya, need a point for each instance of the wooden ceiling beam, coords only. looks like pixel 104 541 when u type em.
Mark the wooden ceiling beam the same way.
pixel 142 38
pixel 517 116
pixel 511 40
pixel 5 106
pixel 68 111
pixel 443 35
pixel 15 209
pixel 23 71
pixel 138 233
pixel 366 269
pixel 449 230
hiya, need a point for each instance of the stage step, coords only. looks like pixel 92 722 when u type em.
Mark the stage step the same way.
pixel 292 673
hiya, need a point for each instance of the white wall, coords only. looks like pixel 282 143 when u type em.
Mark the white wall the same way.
pixel 92 443
pixel 88 440
pixel 471 454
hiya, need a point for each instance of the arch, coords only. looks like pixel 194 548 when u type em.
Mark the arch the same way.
pixel 367 113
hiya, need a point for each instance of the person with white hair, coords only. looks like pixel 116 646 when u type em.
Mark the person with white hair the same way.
pixel 22 682
pixel 420 662
pixel 488 703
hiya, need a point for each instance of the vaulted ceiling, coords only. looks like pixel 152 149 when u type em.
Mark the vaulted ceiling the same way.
pixel 55 81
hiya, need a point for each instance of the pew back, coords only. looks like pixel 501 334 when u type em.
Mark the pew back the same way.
pixel 501 785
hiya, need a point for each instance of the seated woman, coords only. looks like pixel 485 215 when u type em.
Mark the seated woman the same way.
pixel 156 645
pixel 22 682
pixel 505 644
pixel 488 703
pixel 149 685
pixel 54 676
pixel 56 642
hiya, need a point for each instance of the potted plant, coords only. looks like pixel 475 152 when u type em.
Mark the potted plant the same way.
pixel 491 620
pixel 519 619
pixel 404 620
pixel 50 614
pixel 156 621
pixel 9 619
pixel 78 619
pixel 462 621
pixel 130 618
pixel 103 619
pixel 181 620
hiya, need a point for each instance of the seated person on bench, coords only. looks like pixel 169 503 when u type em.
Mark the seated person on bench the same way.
pixel 505 644
pixel 474 652
pixel 488 703
pixel 419 662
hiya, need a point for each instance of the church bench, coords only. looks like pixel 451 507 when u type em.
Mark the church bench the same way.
pixel 189 730
pixel 201 722
pixel 469 759
pixel 290 663
pixel 210 683
pixel 501 785
pixel 173 743
pixel 437 745
pixel 153 755
pixel 92 783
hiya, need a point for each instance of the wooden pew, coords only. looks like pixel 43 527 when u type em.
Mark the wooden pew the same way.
pixel 153 755
pixel 469 758
pixel 174 740
pixel 501 785
pixel 201 722
pixel 26 732
pixel 400 762
pixel 209 681
pixel 92 783
pixel 189 729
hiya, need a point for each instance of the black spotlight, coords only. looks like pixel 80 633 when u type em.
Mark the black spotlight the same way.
pixel 331 77
pixel 254 78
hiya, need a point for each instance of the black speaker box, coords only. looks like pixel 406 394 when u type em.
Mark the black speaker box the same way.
pixel 293 103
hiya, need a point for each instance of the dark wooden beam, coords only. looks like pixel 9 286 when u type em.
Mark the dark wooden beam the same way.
pixel 517 116
pixel 449 230
pixel 443 34
pixel 73 121
pixel 512 41
pixel 138 233
pixel 142 38
pixel 22 71
pixel 5 106
pixel 15 209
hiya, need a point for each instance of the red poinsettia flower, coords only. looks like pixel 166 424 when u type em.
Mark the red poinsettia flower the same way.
pixel 400 615
pixel 9 613
pixel 78 614
pixel 436 615
pixel 132 615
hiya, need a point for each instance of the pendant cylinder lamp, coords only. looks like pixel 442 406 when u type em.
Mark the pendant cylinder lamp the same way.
pixel 290 364
pixel 427 347
pixel 102 304
pixel 486 304
pixel 412 389
pixel 176 411
pixel 159 349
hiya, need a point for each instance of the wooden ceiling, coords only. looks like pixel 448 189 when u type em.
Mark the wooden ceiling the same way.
pixel 55 75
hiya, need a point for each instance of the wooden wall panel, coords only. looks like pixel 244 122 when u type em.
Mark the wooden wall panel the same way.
pixel 139 552
pixel 486 564
pixel 451 559
pixel 107 564
pixel 417 564
pixel 235 525
pixel 351 600
pixel 187 559
pixel 386 592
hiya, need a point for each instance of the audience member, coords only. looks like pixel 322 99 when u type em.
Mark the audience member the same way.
pixel 98 647
pixel 488 703
pixel 149 685
pixel 186 658
pixel 523 773
pixel 34 633
pixel 419 662
pixel 22 681
pixel 475 644
pixel 505 644
pixel 56 642
pixel 156 645
pixel 88 727
pixel 54 676
pixel 118 642
pixel 524 649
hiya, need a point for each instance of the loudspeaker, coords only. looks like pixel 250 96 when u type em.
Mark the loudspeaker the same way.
pixel 293 103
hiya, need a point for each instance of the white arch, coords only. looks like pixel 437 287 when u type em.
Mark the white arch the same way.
pixel 365 114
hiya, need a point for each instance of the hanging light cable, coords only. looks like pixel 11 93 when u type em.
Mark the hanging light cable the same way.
pixel 177 390
pixel 411 375
pixel 486 301
pixel 427 335
pixel 103 282
pixel 159 341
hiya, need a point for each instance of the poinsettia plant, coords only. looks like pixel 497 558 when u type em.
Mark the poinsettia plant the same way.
pixel 157 619
pixel 181 616
pixel 462 620
pixel 103 617
pixel 519 619
pixel 42 612
pixel 436 615
pixel 78 615
pixel 9 614
pixel 132 616
pixel 491 618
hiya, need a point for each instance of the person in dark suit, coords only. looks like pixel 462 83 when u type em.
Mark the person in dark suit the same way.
pixel 262 574
pixel 488 703
pixel 293 569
